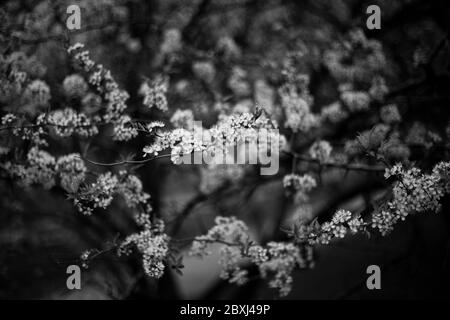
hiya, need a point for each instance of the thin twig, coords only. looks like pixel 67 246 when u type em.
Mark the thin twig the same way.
pixel 124 162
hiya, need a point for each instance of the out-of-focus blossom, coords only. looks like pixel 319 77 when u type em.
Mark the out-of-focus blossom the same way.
pixel 320 150
pixel 75 86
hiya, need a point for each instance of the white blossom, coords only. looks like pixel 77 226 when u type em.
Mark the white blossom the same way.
pixel 412 193
pixel 71 171
pixel 320 150
pixel 356 100
pixel 154 93
pixel 66 122
pixel 75 86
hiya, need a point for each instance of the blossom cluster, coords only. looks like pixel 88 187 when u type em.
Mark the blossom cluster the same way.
pixel 414 192
pixel 276 261
pixel 355 60
pixel 16 73
pixel 66 122
pixel 154 93
pixel 282 259
pixel 380 140
pixel 39 169
pixel 227 229
pixel 378 89
pixel 296 102
pixel 321 151
pixel 204 70
pixel 131 189
pixel 229 131
pixel 115 98
pixel 124 128
pixel 238 130
pixel 171 41
pixel 333 113
pixel 419 135
pixel 98 194
pixel 356 100
pixel 181 141
pixel 342 223
pixel 367 58
pixel 183 119
pixel 37 95
pixel 101 192
pixel 153 245
pixel 33 133
pixel 44 169
pixel 75 86
pixel 299 185
pixel 72 171
pixel 238 83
